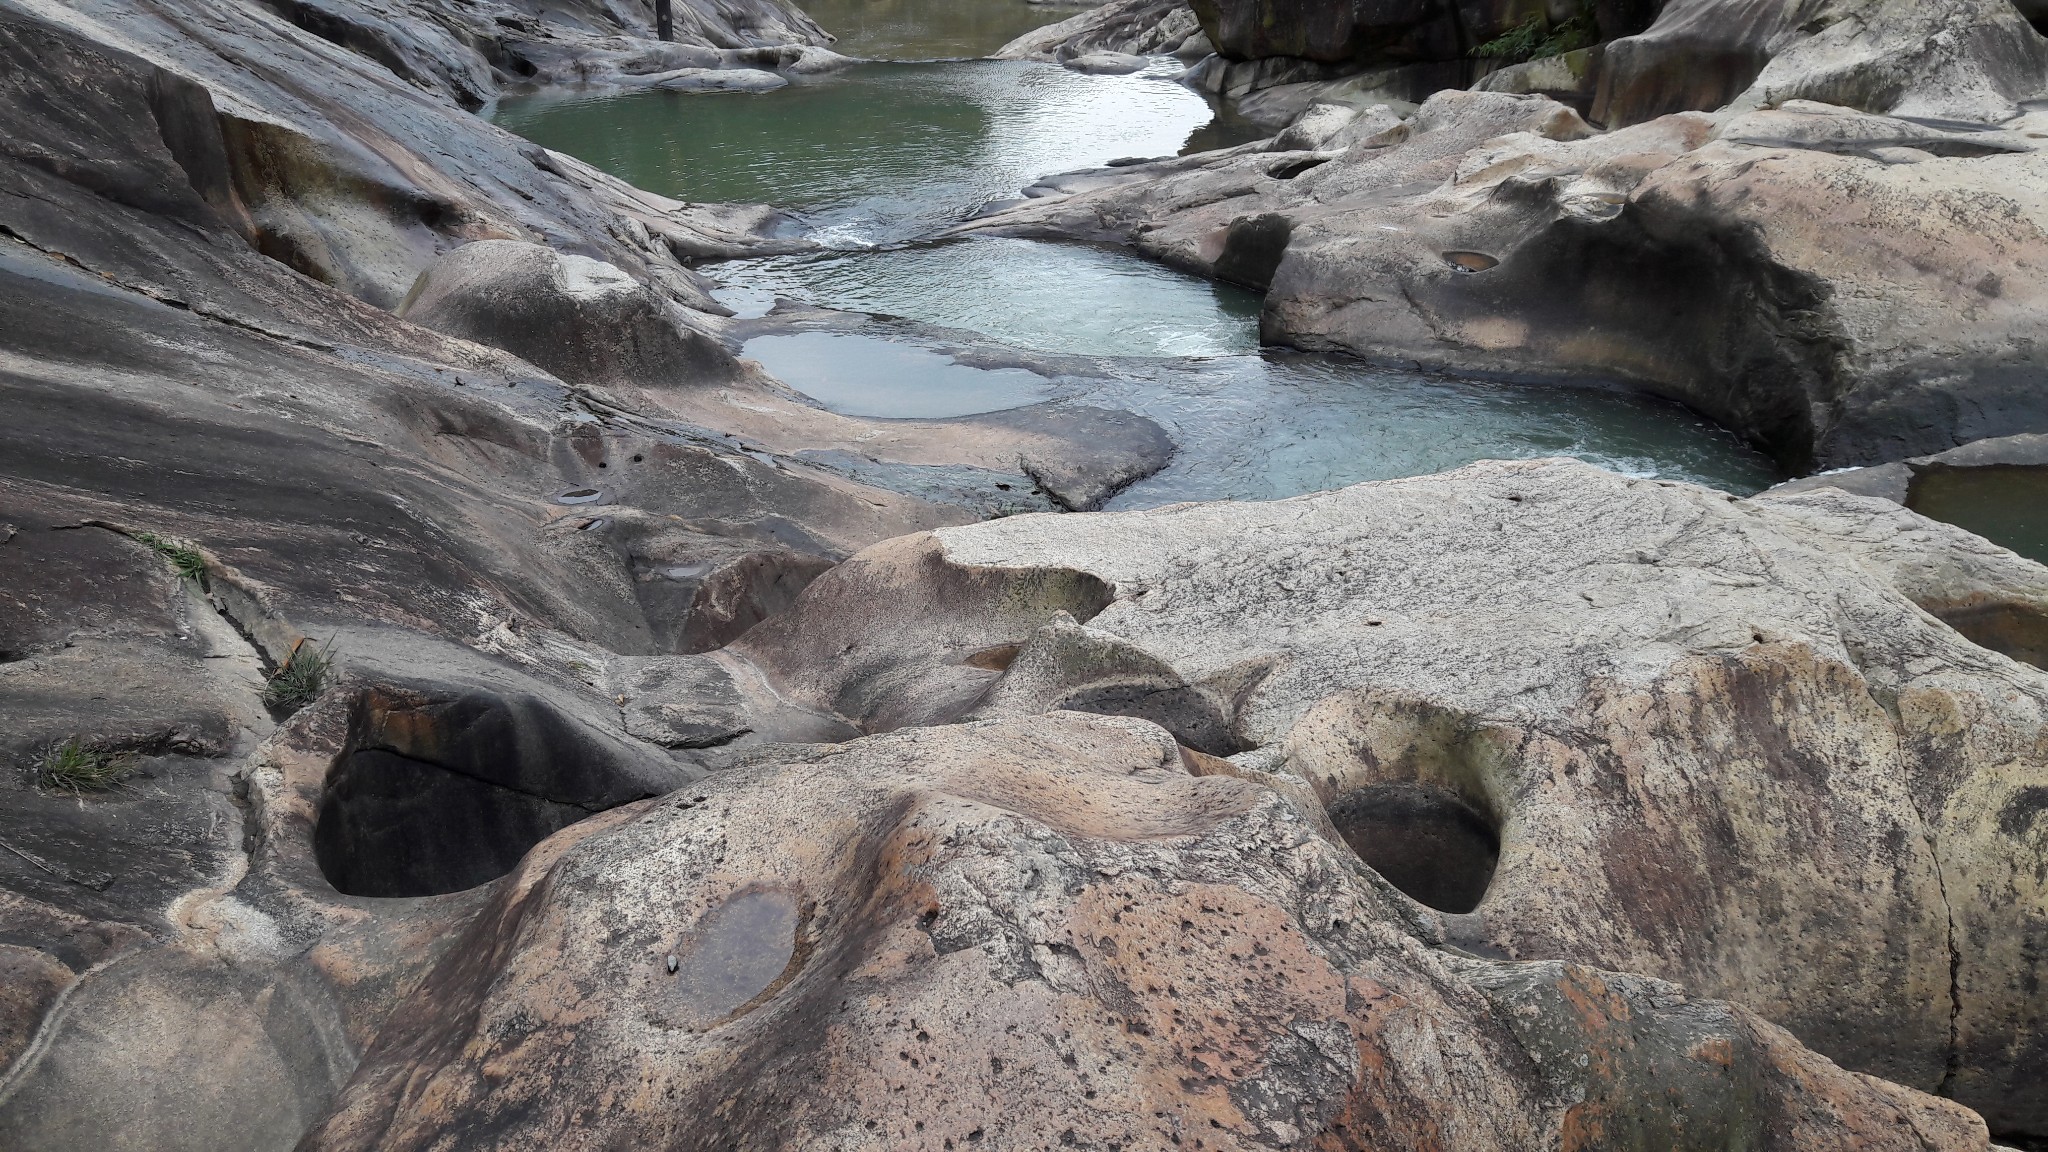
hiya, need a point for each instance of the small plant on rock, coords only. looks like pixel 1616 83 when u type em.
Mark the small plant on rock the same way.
pixel 304 673
pixel 182 555
pixel 77 767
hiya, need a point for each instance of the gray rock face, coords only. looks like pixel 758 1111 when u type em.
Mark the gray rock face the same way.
pixel 582 319
pixel 1840 287
pixel 204 214
pixel 468 52
pixel 1141 27
pixel 1633 724
pixel 1973 60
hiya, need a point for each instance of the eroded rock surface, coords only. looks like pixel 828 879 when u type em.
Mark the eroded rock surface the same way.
pixel 1969 60
pixel 1042 932
pixel 1143 27
pixel 1661 730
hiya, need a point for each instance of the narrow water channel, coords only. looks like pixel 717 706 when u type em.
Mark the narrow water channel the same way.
pixel 879 157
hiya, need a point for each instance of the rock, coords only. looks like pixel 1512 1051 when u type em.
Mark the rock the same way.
pixel 1632 724
pixel 1572 78
pixel 1994 487
pixel 586 321
pixel 1973 60
pixel 470 53
pixel 1106 63
pixel 1777 270
pixel 346 173
pixel 998 934
pixel 717 80
pixel 1141 27
pixel 1320 125
pixel 1379 31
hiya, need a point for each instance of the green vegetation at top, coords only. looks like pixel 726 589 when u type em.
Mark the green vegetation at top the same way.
pixel 1537 38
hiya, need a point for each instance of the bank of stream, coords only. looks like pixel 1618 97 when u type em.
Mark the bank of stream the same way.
pixel 877 158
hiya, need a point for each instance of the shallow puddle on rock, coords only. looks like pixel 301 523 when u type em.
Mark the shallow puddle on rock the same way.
pixel 2007 506
pixel 731 956
pixel 859 375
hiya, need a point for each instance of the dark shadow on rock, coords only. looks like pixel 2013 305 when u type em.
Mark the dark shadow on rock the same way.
pixel 441 790
pixel 1423 839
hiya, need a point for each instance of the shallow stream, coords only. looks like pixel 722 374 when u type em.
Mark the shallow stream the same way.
pixel 882 155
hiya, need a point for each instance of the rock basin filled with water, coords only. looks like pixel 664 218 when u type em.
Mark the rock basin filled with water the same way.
pixel 876 160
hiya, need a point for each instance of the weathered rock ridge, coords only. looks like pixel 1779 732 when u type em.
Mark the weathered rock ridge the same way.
pixel 470 50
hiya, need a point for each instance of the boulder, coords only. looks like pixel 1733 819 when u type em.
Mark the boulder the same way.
pixel 1041 931
pixel 1106 63
pixel 1971 60
pixel 584 320
pixel 1632 724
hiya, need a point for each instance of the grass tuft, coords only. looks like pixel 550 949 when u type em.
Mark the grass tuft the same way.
pixel 296 684
pixel 1536 39
pixel 78 767
pixel 183 557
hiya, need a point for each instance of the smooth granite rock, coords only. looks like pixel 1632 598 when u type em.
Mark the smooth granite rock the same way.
pixel 1634 724
pixel 1036 933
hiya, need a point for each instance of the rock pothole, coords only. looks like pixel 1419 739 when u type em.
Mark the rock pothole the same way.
pixel 436 793
pixel 1424 839
pixel 737 953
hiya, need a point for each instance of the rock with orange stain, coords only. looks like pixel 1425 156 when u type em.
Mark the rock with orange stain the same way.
pixel 1575 716
pixel 1043 933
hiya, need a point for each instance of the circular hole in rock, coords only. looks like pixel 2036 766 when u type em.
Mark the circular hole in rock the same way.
pixel 580 496
pixel 391 825
pixel 439 794
pixel 1470 261
pixel 1427 841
